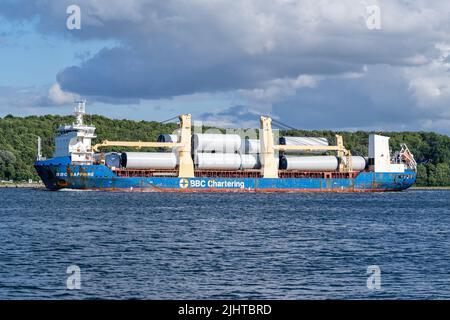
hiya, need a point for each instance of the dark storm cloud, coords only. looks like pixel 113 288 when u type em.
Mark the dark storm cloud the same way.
pixel 173 48
pixel 123 72
pixel 165 49
pixel 372 102
pixel 349 104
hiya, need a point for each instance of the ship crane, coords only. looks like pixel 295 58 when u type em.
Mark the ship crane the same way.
pixel 136 144
pixel 186 165
pixel 269 165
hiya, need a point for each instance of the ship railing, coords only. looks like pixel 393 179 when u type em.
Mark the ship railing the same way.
pixel 407 157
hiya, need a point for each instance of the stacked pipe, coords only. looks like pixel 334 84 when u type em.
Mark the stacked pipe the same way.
pixel 168 138
pixel 173 138
pixel 290 161
pixel 225 152
pixel 303 141
pixel 230 152
pixel 149 160
pixel 152 160
pixel 318 163
pixel 250 153
pixel 216 151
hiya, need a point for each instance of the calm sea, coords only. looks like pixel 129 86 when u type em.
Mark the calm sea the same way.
pixel 224 246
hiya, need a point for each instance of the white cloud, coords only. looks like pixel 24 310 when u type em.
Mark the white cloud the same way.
pixel 272 91
pixel 57 96
pixel 430 83
pixel 264 51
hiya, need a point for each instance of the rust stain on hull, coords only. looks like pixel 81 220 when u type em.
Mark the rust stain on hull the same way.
pixel 275 190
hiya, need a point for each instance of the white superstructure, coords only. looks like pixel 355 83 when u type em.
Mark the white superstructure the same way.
pixel 75 140
pixel 379 155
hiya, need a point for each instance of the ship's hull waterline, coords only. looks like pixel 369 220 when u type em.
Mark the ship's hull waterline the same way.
pixel 99 177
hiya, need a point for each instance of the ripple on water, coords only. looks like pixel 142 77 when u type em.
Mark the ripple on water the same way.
pixel 224 246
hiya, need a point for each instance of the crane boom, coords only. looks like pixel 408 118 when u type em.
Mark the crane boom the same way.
pixel 186 165
pixel 306 148
pixel 136 144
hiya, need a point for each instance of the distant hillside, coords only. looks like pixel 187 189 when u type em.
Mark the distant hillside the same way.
pixel 18 143
pixel 18 138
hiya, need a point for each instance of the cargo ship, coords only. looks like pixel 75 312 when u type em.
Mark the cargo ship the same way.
pixel 215 162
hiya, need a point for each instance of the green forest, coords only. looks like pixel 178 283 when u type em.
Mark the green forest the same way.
pixel 18 148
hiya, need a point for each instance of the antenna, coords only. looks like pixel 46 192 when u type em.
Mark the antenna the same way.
pixel 39 153
pixel 80 111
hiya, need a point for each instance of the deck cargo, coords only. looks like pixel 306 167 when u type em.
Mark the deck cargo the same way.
pixel 303 141
pixel 250 146
pixel 223 143
pixel 250 161
pixel 167 138
pixel 218 161
pixel 148 160
pixel 318 163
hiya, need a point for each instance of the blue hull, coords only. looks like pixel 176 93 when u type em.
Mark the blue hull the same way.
pixel 59 173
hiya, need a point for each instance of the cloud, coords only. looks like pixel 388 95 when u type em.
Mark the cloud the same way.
pixel 232 117
pixel 58 97
pixel 21 97
pixel 373 102
pixel 430 83
pixel 369 101
pixel 276 89
pixel 314 61
pixel 176 47
pixel 50 96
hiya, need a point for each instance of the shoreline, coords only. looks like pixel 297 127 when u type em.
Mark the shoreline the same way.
pixel 22 185
pixel 430 188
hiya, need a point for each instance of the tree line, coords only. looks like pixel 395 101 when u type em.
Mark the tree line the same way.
pixel 18 136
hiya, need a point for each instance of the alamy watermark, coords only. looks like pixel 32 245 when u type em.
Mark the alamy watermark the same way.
pixel 74 278
pixel 73 21
pixel 373 19
pixel 374 279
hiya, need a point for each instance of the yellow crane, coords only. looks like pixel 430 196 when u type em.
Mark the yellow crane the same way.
pixel 186 165
pixel 269 165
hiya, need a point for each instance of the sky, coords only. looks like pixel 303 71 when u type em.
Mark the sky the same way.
pixel 313 64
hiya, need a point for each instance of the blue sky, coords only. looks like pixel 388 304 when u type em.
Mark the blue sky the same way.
pixel 312 64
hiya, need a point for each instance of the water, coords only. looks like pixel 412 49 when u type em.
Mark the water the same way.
pixel 224 246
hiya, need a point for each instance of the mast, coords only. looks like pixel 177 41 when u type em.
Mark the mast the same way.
pixel 80 111
pixel 39 153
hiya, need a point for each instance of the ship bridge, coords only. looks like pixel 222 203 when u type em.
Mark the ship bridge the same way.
pixel 75 140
